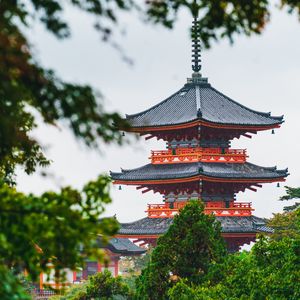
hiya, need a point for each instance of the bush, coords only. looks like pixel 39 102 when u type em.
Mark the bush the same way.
pixel 100 286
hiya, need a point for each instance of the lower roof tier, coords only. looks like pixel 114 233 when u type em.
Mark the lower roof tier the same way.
pixel 122 246
pixel 157 226
pixel 167 173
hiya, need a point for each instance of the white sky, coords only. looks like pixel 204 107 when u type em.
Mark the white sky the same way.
pixel 261 72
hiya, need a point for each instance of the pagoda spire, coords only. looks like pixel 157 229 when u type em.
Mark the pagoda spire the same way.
pixel 196 47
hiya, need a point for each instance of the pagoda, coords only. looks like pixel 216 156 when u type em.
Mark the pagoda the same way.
pixel 198 124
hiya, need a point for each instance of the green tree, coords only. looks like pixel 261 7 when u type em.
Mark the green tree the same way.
pixel 10 287
pixel 269 271
pixel 100 286
pixel 285 224
pixel 190 248
pixel 26 86
pixel 291 194
pixel 53 228
pixel 104 286
pixel 27 89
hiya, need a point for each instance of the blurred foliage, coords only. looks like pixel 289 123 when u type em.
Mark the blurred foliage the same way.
pixel 220 19
pixel 60 228
pixel 27 87
pixel 189 249
pixel 100 286
pixel 291 194
pixel 75 292
pixel 10 286
pixel 55 226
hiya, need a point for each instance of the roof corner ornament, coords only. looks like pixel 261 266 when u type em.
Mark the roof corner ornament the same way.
pixel 196 48
pixel 199 113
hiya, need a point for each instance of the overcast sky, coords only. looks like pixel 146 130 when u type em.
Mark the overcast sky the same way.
pixel 261 72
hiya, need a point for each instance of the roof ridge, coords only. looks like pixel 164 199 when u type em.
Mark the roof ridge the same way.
pixel 267 168
pixel 129 170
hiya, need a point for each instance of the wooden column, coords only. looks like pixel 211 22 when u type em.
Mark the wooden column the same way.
pixel 41 281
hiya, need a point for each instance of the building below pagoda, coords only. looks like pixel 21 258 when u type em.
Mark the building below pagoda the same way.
pixel 114 250
pixel 198 123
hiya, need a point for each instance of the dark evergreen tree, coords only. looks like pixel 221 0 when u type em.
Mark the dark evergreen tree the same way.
pixel 190 248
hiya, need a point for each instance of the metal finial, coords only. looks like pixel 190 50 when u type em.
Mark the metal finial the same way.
pixel 196 48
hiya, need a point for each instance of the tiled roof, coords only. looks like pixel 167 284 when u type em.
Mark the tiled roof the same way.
pixel 185 170
pixel 200 101
pixel 150 226
pixel 146 226
pixel 124 247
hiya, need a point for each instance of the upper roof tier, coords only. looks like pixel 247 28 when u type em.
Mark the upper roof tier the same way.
pixel 199 101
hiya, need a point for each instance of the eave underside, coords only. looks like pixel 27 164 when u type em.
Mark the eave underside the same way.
pixel 234 129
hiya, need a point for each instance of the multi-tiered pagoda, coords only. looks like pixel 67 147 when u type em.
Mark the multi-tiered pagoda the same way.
pixel 198 123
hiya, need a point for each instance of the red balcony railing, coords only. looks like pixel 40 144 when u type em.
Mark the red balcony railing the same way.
pixel 184 155
pixel 236 209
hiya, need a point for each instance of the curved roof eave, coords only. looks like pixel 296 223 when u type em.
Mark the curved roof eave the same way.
pixel 211 98
pixel 213 124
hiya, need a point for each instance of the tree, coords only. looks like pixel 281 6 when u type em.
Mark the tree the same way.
pixel 58 228
pixel 27 89
pixel 10 287
pixel 190 248
pixel 291 194
pixel 26 86
pixel 269 271
pixel 285 224
pixel 100 286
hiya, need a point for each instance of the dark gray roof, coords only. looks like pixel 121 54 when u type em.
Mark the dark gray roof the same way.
pixel 184 170
pixel 124 247
pixel 158 226
pixel 200 101
pixel 146 226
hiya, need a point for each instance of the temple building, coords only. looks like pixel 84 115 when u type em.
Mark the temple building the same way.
pixel 198 123
pixel 114 250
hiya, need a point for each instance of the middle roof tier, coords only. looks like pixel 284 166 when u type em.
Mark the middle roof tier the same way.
pixel 187 172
